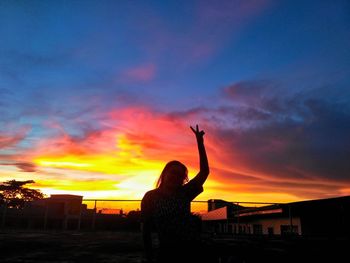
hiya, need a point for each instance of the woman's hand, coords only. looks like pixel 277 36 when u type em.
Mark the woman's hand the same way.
pixel 203 160
pixel 199 134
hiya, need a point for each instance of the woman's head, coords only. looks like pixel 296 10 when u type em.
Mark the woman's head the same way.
pixel 174 174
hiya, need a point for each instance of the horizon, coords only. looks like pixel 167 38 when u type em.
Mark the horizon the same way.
pixel 96 98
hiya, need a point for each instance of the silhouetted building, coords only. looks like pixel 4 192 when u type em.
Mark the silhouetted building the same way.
pixel 63 210
pixel 68 212
pixel 323 217
pixel 57 211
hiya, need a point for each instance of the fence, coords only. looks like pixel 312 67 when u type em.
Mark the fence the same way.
pixel 113 206
pixel 318 217
pixel 94 214
pixel 109 206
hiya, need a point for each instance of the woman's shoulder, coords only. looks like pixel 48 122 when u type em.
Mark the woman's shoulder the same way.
pixel 150 194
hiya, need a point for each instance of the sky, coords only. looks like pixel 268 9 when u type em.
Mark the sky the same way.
pixel 97 96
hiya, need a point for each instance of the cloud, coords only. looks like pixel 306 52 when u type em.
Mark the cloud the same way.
pixel 26 166
pixel 267 138
pixel 299 135
pixel 9 140
pixel 140 73
pixel 259 141
pixel 248 92
pixel 22 166
pixel 140 126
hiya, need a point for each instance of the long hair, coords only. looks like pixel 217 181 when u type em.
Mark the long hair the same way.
pixel 167 172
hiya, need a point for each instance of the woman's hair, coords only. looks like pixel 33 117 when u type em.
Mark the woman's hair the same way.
pixel 174 173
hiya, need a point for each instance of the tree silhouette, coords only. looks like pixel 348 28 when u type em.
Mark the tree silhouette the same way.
pixel 14 193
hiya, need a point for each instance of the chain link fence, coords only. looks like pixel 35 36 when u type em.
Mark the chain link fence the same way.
pixel 317 217
pixel 217 216
pixel 88 214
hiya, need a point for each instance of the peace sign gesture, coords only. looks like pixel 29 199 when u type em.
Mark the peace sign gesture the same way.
pixel 199 134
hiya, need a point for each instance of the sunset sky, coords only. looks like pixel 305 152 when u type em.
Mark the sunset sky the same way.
pixel 96 96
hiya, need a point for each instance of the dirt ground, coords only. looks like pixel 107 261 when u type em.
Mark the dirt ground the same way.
pixel 126 247
pixel 25 246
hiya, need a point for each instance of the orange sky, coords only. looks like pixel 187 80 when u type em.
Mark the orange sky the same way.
pixel 124 160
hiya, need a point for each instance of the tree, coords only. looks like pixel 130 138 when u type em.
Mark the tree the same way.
pixel 14 193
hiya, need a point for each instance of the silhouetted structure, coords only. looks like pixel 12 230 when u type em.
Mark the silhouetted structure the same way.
pixel 63 210
pixel 67 212
pixel 323 217
pixel 214 204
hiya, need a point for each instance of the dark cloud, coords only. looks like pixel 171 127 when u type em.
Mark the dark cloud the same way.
pixel 26 166
pixel 272 131
pixel 248 91
pixel 23 166
pixel 300 134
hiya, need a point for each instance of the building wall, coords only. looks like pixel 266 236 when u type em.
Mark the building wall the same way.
pixel 217 214
pixel 264 226
pixel 273 223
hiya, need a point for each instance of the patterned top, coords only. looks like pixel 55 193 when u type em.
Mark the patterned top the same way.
pixel 170 214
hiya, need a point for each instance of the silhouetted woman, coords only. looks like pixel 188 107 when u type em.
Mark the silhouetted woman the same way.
pixel 166 209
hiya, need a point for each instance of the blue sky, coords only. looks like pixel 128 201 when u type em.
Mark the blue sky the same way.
pixel 241 68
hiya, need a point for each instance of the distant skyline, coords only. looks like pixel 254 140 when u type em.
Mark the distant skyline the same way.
pixel 96 96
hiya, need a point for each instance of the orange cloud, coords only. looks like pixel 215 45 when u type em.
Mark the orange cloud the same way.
pixel 136 144
pixel 125 157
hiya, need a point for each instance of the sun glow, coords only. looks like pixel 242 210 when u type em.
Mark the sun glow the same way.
pixel 61 164
pixel 121 171
pixel 125 158
pixel 126 148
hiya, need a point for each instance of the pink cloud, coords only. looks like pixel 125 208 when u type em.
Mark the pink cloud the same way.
pixel 11 139
pixel 140 73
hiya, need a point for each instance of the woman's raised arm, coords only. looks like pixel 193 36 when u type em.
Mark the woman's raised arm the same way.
pixel 203 160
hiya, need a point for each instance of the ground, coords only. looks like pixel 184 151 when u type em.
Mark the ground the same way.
pixel 126 247
pixel 23 246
